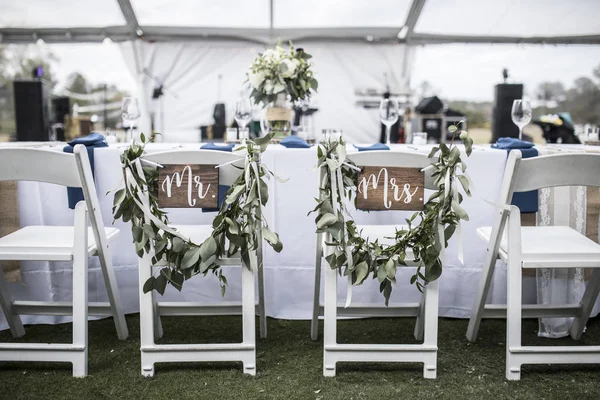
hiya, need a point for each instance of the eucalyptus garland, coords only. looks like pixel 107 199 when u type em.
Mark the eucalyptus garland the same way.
pixel 356 257
pixel 239 226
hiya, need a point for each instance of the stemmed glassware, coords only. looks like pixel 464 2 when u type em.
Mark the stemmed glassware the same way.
pixel 130 111
pixel 388 113
pixel 243 114
pixel 521 114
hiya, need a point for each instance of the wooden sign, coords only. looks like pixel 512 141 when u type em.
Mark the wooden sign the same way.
pixel 390 188
pixel 188 186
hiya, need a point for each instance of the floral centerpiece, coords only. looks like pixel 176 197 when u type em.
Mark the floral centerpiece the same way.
pixel 278 76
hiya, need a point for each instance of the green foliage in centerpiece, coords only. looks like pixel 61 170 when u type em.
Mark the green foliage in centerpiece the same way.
pixel 238 228
pixel 278 71
pixel 421 242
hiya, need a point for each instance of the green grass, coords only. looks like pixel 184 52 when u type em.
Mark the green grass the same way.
pixel 290 365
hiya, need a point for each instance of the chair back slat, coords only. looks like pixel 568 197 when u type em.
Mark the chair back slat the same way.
pixel 557 170
pixel 91 199
pixel 227 173
pixel 386 158
pixel 38 165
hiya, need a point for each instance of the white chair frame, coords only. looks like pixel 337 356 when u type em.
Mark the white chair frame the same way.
pixel 426 311
pixel 151 309
pixel 25 164
pixel 521 176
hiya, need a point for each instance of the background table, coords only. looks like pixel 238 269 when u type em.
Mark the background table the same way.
pixel 289 275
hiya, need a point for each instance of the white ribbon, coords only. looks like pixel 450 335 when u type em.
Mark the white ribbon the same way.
pixel 459 242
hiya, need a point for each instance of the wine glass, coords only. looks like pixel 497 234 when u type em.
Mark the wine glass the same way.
pixel 521 114
pixel 388 113
pixel 243 114
pixel 130 111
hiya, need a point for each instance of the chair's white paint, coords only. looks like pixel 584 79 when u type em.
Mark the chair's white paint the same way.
pixel 539 247
pixel 151 309
pixel 426 312
pixel 59 243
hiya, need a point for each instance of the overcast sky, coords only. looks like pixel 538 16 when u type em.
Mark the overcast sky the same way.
pixel 467 72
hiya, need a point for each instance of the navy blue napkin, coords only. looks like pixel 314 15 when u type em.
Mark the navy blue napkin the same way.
pixel 222 188
pixel 526 201
pixel 91 141
pixel 294 142
pixel 212 146
pixel 376 146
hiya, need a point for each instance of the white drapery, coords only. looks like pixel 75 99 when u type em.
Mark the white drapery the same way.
pixel 197 75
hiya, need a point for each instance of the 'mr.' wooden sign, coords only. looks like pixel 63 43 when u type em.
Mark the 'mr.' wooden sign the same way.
pixel 188 186
pixel 390 188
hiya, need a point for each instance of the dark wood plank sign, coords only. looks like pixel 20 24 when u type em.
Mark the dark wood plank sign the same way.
pixel 188 186
pixel 390 188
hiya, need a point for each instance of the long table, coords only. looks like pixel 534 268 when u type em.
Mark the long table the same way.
pixel 289 275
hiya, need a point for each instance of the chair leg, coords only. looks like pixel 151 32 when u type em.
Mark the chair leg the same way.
pixel 158 328
pixel 587 304
pixel 513 298
pixel 80 292
pixel 485 282
pixel 261 293
pixel 112 289
pixel 330 321
pixel 146 316
pixel 430 327
pixel 248 320
pixel 314 324
pixel 420 323
pixel 13 319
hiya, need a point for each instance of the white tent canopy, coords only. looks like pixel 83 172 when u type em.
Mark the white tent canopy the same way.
pixel 266 21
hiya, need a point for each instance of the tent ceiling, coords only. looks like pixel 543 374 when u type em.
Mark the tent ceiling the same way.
pixel 266 21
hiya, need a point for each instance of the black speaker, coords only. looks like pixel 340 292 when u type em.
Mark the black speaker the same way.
pixel 502 125
pixel 430 105
pixel 31 110
pixel 61 107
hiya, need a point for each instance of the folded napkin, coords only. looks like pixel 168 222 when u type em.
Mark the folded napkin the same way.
pixel 91 141
pixel 526 201
pixel 221 147
pixel 376 146
pixel 294 142
pixel 222 188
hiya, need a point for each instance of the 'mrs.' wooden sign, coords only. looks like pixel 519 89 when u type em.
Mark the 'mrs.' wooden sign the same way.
pixel 188 186
pixel 390 188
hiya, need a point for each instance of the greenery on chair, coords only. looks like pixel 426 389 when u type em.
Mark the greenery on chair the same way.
pixel 353 255
pixel 237 229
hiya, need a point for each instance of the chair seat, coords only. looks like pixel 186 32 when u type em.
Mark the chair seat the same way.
pixel 552 244
pixel 384 233
pixel 46 243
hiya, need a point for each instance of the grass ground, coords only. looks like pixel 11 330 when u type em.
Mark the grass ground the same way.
pixel 290 365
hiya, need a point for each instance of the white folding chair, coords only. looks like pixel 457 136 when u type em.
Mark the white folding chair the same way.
pixel 426 312
pixel 59 243
pixel 539 247
pixel 151 309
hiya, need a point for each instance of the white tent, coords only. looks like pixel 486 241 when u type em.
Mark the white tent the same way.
pixel 359 45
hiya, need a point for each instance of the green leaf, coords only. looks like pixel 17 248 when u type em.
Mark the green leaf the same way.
pixel 326 220
pixel 148 231
pixel 462 214
pixel 160 283
pixel 314 84
pixel 390 269
pixel 433 151
pixel 178 244
pixel 208 248
pixel 235 193
pixel 177 279
pixel 119 197
pixel 454 155
pixel 362 270
pixel 272 238
pixel 452 128
pixel 137 233
pixel 149 284
pixel 190 258
pixel 465 183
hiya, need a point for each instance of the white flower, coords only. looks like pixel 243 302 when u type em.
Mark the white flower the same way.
pixel 287 67
pixel 256 79
pixel 268 87
pixel 278 88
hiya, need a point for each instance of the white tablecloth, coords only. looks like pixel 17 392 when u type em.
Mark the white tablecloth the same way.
pixel 290 274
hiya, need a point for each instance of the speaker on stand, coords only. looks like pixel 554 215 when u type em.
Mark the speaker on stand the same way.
pixel 31 110
pixel 61 107
pixel 504 95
